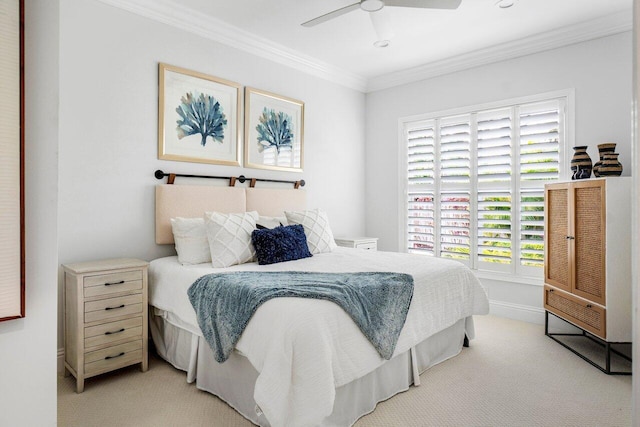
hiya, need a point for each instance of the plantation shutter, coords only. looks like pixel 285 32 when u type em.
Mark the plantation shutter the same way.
pixel 475 184
pixel 455 152
pixel 494 147
pixel 421 174
pixel 539 135
pixel 421 155
pixel 494 227
pixel 532 228
pixel 455 225
pixel 539 142
pixel 421 226
pixel 494 157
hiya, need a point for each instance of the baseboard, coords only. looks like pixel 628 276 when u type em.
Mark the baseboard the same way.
pixel 60 361
pixel 525 313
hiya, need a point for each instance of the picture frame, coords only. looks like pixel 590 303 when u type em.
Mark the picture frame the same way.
pixel 198 117
pixel 12 161
pixel 274 131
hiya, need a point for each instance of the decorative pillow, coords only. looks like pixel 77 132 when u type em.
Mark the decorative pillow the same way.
pixel 316 227
pixel 286 243
pixel 271 221
pixel 229 237
pixel 190 237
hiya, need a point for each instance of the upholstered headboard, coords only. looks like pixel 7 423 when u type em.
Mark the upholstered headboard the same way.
pixel 192 201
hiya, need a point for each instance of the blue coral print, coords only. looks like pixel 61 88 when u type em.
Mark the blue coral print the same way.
pixel 201 114
pixel 275 130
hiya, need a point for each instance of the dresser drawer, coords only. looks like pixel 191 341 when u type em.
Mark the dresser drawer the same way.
pixel 582 313
pixel 109 333
pixel 97 362
pixel 109 308
pixel 367 245
pixel 105 284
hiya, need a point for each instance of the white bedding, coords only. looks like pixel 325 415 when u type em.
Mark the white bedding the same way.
pixel 305 348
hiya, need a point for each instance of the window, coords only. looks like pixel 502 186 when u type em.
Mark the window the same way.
pixel 475 182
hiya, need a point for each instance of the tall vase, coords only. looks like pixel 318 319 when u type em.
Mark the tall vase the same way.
pixel 581 163
pixel 610 165
pixel 607 147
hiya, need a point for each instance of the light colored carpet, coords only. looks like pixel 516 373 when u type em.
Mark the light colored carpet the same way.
pixel 512 375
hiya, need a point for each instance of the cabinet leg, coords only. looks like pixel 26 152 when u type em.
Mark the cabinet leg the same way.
pixel 144 365
pixel 79 385
pixel 66 372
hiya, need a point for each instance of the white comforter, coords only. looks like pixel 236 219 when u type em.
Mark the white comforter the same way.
pixel 305 348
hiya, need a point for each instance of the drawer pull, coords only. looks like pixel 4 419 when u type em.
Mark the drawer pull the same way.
pixel 114 332
pixel 113 357
pixel 115 283
pixel 589 306
pixel 115 308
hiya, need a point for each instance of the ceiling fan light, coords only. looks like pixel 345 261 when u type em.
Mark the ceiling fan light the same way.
pixel 382 43
pixel 371 5
pixel 504 4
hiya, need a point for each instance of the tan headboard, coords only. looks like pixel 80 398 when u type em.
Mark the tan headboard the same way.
pixel 192 201
pixel 273 202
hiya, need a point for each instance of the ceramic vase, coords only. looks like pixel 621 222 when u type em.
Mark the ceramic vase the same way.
pixel 581 163
pixel 607 147
pixel 610 165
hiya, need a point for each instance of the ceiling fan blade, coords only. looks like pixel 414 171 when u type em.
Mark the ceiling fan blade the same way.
pixel 382 24
pixel 425 4
pixel 331 15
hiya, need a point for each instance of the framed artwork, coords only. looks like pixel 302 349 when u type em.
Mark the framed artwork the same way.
pixel 274 131
pixel 12 231
pixel 198 117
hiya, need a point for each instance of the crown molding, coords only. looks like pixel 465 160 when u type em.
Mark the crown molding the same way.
pixel 170 13
pixel 178 16
pixel 597 28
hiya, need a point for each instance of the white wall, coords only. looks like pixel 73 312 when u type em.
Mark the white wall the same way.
pixel 600 72
pixel 108 130
pixel 28 346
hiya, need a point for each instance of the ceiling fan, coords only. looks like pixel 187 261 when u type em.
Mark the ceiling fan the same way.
pixel 380 22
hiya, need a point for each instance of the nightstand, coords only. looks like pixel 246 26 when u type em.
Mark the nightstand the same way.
pixel 105 306
pixel 370 243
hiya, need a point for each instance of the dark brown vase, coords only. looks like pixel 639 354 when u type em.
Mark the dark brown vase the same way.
pixel 610 165
pixel 607 147
pixel 581 163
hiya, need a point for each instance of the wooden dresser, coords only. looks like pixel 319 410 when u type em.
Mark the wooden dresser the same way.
pixel 588 257
pixel 105 307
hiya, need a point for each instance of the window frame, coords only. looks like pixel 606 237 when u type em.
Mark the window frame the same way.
pixel 515 273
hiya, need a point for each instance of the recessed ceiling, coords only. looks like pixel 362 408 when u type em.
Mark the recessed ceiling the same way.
pixel 420 36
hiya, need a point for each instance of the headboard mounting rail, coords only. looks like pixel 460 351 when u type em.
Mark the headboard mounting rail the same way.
pixel 171 177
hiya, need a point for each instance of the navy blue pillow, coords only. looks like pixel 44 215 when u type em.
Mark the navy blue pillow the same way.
pixel 280 244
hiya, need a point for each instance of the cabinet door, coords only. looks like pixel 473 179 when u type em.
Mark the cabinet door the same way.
pixel 557 266
pixel 589 232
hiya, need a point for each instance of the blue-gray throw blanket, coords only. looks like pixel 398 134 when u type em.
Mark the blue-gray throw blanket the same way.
pixel 377 302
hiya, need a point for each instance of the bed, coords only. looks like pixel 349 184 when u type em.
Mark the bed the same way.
pixel 304 361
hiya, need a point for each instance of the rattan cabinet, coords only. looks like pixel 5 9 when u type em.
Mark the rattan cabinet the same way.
pixel 588 255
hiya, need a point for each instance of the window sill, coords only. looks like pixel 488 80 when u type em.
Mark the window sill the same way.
pixel 511 278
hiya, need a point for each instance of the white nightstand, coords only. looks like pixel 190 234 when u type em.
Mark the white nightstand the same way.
pixel 105 317
pixel 370 243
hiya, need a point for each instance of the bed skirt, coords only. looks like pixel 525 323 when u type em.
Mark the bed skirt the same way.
pixel 234 380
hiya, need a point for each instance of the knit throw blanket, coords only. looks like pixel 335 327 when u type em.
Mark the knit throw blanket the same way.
pixel 377 302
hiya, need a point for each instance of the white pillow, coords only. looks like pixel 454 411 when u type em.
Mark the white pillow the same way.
pixel 271 221
pixel 229 237
pixel 191 241
pixel 316 228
